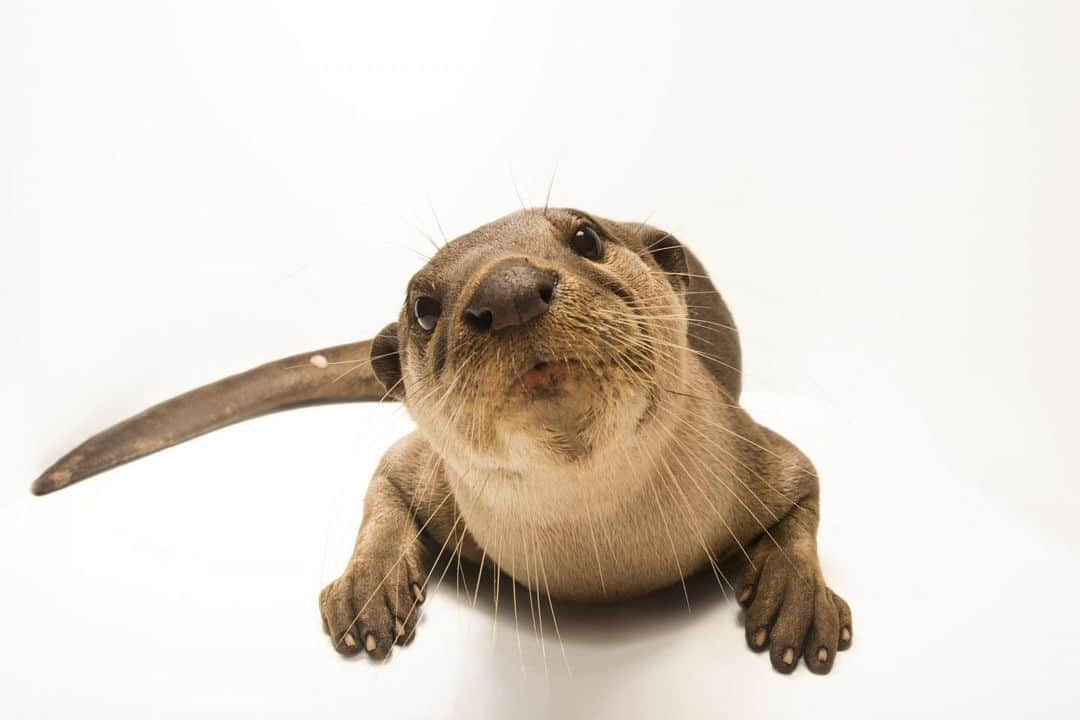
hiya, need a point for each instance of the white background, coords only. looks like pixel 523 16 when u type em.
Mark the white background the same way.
pixel 885 192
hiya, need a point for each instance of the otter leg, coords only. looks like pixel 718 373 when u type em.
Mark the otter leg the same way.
pixel 375 602
pixel 789 608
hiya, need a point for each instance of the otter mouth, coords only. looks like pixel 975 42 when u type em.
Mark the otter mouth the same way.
pixel 547 378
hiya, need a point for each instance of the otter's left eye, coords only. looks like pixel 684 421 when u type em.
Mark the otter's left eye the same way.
pixel 427 311
pixel 587 242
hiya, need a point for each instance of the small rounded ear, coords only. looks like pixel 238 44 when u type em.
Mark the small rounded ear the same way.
pixel 386 361
pixel 668 254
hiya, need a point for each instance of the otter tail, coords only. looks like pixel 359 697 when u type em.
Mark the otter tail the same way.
pixel 333 375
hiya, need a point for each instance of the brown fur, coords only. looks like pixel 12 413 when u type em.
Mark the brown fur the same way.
pixel 594 452
pixel 645 447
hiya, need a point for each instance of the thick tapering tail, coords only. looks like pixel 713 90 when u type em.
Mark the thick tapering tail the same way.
pixel 332 375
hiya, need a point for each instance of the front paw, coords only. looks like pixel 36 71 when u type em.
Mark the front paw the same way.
pixel 373 606
pixel 791 611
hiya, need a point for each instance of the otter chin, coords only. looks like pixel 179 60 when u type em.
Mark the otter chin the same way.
pixel 575 384
pixel 549 412
pixel 548 379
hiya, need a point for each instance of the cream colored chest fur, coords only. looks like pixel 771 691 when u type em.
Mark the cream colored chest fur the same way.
pixel 621 527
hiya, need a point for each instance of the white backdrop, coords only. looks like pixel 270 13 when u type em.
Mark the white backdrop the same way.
pixel 886 194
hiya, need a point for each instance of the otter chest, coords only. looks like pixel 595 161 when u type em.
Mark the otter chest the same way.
pixel 595 538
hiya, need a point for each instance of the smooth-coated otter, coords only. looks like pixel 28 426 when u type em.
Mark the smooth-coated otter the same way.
pixel 575 386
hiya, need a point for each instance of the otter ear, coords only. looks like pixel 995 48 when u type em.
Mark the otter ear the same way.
pixel 668 254
pixel 386 361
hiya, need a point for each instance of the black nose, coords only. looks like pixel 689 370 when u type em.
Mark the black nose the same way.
pixel 512 293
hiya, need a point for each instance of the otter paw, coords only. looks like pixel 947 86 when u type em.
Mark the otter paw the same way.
pixel 372 607
pixel 791 612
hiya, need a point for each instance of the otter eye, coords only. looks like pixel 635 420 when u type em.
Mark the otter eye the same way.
pixel 427 311
pixel 587 243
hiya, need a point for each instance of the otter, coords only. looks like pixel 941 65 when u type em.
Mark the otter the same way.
pixel 575 385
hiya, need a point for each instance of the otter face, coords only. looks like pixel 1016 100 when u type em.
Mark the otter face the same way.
pixel 538 337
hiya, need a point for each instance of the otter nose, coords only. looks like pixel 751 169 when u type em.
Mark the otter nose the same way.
pixel 512 293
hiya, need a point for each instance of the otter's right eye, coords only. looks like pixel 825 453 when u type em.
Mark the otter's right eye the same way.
pixel 427 311
pixel 587 243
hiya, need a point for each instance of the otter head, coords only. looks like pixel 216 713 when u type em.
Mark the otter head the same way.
pixel 538 339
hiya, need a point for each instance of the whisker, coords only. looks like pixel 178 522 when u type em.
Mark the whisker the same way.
pixel 431 206
pixel 551 183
